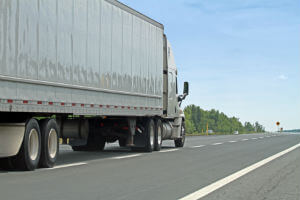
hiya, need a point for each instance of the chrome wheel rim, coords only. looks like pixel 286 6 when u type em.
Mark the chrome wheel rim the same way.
pixel 52 143
pixel 33 144
pixel 159 136
pixel 152 136
pixel 183 133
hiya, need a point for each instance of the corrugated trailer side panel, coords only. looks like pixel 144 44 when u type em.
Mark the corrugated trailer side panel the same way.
pixel 79 56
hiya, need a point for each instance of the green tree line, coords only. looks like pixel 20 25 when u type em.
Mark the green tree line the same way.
pixel 197 119
pixel 293 131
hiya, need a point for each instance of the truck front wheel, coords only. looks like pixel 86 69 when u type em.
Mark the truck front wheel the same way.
pixel 180 141
pixel 50 143
pixel 29 154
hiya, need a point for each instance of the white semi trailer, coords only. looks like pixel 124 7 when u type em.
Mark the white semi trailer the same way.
pixel 90 71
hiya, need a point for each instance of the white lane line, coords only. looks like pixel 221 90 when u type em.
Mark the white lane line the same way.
pixel 268 136
pixel 261 137
pixel 215 144
pixel 199 146
pixel 254 138
pixel 123 157
pixel 67 165
pixel 232 141
pixel 245 139
pixel 170 150
pixel 217 185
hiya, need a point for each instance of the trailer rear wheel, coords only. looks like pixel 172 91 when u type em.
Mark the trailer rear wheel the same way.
pixel 149 135
pixel 158 135
pixel 180 142
pixel 50 143
pixel 29 155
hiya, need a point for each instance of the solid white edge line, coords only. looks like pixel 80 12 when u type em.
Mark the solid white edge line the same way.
pixel 122 157
pixel 245 139
pixel 217 144
pixel 170 150
pixel 217 185
pixel 67 165
pixel 232 141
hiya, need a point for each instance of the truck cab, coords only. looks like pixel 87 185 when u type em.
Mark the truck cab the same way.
pixel 172 99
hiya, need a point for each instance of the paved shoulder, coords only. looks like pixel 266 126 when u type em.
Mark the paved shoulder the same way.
pixel 278 180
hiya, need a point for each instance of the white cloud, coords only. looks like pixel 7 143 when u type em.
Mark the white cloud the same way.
pixel 282 77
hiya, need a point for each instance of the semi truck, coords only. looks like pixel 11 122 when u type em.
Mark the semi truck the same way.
pixel 86 72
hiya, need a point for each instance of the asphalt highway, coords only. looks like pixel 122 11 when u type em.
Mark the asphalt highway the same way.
pixel 212 167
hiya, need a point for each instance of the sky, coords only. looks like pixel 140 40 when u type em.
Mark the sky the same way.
pixel 241 57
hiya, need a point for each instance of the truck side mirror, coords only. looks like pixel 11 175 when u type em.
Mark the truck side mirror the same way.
pixel 186 88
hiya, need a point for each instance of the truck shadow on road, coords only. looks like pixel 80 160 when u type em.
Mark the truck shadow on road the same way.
pixel 68 156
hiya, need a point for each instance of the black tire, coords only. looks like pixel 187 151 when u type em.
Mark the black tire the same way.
pixel 50 143
pixel 149 136
pixel 158 135
pixel 122 142
pixel 180 142
pixel 23 160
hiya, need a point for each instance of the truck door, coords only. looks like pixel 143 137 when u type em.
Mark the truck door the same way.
pixel 170 83
pixel 172 97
